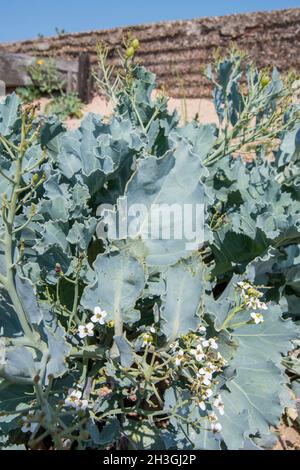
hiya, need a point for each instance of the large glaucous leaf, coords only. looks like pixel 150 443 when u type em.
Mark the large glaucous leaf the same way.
pixel 120 280
pixel 279 270
pixel 256 381
pixel 13 400
pixel 185 286
pixel 9 114
pixel 162 189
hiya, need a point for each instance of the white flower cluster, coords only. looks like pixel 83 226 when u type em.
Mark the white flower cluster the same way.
pixel 88 329
pixel 203 358
pixel 74 400
pixel 29 423
pixel 251 298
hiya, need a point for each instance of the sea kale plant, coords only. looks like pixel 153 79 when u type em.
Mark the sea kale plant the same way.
pixel 115 339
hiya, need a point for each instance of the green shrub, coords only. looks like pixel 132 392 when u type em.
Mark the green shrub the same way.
pixel 65 106
pixel 48 83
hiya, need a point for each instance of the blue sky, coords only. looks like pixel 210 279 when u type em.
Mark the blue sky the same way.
pixel 23 19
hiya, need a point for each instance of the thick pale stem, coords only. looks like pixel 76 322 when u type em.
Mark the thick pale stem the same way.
pixel 75 302
pixel 231 315
pixel 9 280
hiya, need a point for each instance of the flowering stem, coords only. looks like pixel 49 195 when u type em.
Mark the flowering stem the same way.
pixel 9 280
pixel 238 325
pixel 231 315
pixel 75 302
pixel 57 291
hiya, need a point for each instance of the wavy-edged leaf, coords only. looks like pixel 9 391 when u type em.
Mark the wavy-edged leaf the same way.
pixel 162 189
pixel 120 280
pixel 258 383
pixel 9 113
pixel 185 285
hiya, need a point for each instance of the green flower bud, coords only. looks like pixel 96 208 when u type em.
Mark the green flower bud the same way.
pixel 130 52
pixel 33 209
pixel 135 43
pixel 265 80
pixel 34 179
pixel 4 200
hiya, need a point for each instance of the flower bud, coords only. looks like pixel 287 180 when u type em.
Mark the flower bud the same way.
pixel 265 80
pixel 4 200
pixel 135 43
pixel 33 209
pixel 22 247
pixel 130 51
pixel 34 179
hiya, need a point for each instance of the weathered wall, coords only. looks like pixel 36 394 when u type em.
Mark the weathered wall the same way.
pixel 177 51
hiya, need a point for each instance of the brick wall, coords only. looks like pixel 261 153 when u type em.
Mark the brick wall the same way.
pixel 177 51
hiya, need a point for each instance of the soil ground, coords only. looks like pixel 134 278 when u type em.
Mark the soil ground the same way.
pixel 189 108
pixel 289 438
pixel 203 107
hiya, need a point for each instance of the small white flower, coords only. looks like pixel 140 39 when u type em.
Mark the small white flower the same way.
pixel 221 359
pixel 208 393
pixel 244 285
pixel 202 329
pixel 218 403
pixel 99 316
pixel 204 376
pixel 257 318
pixel 216 427
pixel 28 424
pixel 204 371
pixel 256 304
pixel 202 405
pixel 211 367
pixel 67 443
pixel 174 346
pixel 206 380
pixel 86 330
pixel 198 353
pixel 212 417
pixel 152 329
pixel 262 305
pixel 179 357
pixel 82 404
pixel 73 398
pixel 211 343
